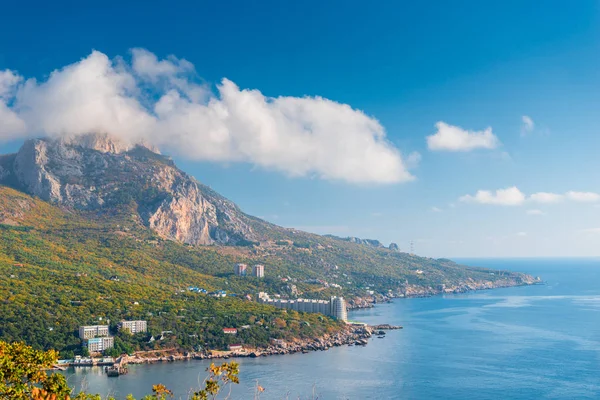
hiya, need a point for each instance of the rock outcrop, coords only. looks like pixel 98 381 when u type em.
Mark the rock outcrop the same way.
pixel 95 172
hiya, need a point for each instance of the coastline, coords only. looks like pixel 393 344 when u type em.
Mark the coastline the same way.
pixel 353 334
pixel 358 335
pixel 416 291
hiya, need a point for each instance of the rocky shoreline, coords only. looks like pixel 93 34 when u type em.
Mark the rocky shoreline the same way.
pixel 358 335
pixel 415 291
pixel 352 335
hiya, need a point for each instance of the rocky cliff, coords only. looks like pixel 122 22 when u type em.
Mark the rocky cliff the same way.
pixel 95 172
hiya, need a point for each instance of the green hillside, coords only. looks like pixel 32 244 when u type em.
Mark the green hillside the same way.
pixel 55 270
pixel 56 265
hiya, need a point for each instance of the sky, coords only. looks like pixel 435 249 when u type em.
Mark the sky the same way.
pixel 469 128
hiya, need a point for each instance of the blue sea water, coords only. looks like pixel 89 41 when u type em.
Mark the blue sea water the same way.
pixel 536 342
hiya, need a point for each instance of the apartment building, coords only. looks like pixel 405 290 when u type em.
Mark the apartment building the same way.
pixel 92 331
pixel 133 327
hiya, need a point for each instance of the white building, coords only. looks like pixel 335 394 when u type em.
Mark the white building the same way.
pixel 240 269
pixel 335 307
pixel 92 331
pixel 338 308
pixel 133 327
pixel 258 271
pixel 99 344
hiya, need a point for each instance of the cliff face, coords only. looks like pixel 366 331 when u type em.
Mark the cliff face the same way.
pixel 95 172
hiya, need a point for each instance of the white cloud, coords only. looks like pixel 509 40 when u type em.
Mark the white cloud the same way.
pixel 528 125
pixel 435 209
pixel 159 101
pixel 511 196
pixel 590 230
pixel 521 234
pixel 546 197
pixel 455 138
pixel 11 125
pixel 535 212
pixel 586 197
pixel 8 82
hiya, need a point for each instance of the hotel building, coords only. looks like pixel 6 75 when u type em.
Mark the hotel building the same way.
pixel 133 327
pixel 258 271
pixel 92 331
pixel 335 307
pixel 240 269
pixel 99 344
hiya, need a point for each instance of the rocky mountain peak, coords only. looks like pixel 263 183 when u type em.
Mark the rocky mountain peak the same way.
pixel 97 172
pixel 106 143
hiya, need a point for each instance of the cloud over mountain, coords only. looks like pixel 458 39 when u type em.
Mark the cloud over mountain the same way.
pixel 161 102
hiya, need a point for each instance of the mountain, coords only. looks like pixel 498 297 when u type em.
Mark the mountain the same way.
pixel 368 242
pixel 97 172
pixel 76 213
pixel 111 181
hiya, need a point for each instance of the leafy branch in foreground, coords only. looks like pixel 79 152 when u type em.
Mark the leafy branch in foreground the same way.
pixel 23 376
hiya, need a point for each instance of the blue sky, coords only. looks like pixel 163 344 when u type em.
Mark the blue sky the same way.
pixel 471 65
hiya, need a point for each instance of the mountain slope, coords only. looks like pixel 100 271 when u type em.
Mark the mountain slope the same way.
pixel 60 270
pixel 99 173
pixel 109 181
pixel 74 213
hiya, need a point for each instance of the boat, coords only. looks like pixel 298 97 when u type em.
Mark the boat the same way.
pixel 380 337
pixel 112 371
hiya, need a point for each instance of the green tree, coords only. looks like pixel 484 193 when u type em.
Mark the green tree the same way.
pixel 23 374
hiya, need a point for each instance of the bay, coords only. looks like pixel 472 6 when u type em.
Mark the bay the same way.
pixel 539 342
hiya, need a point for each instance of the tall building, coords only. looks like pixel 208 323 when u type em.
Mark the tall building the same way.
pixel 133 327
pixel 240 269
pixel 92 331
pixel 258 270
pixel 335 307
pixel 338 308
pixel 100 344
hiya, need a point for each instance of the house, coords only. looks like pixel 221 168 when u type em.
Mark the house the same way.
pixel 230 331
pixel 235 347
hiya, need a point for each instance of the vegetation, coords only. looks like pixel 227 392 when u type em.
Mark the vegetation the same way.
pixel 60 269
pixel 24 376
pixel 55 275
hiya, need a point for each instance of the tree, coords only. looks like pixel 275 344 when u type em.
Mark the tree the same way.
pixel 23 374
pixel 23 377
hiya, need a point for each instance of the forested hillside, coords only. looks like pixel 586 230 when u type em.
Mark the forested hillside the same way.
pixel 56 269
pixel 93 229
pixel 56 266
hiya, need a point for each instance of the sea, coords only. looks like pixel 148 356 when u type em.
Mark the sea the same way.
pixel 533 342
